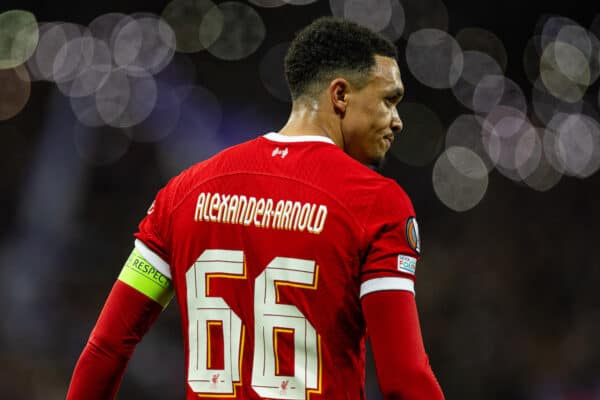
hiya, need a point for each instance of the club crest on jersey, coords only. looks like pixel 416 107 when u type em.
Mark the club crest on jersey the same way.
pixel 278 152
pixel 151 208
pixel 412 235
pixel 214 380
pixel 283 387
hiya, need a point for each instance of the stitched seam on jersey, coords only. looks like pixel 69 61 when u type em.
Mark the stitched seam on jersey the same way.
pixel 353 219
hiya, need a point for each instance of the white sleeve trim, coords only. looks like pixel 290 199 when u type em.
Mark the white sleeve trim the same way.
pixel 381 284
pixel 161 265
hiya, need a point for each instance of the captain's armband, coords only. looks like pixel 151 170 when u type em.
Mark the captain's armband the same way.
pixel 143 277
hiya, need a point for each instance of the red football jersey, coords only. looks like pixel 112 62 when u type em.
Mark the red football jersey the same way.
pixel 270 246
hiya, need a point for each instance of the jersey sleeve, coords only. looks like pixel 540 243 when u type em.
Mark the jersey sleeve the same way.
pixel 393 243
pixel 152 237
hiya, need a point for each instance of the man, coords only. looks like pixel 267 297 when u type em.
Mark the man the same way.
pixel 285 250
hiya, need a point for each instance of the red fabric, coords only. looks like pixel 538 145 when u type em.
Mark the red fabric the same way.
pixel 402 365
pixel 126 317
pixel 362 236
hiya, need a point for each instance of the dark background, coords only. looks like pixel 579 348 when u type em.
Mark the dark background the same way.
pixel 507 291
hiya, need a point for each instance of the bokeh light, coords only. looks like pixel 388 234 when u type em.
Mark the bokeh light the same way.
pixel 180 72
pixel 374 14
pixel 496 90
pixel 144 45
pixel 529 152
pixel 272 73
pixel 395 28
pixel 86 110
pixel 163 119
pixel 585 41
pixel 594 164
pixel 476 66
pixel 100 146
pixel 483 41
pixel 107 69
pixel 466 131
pixel 424 14
pixel 241 33
pixel 434 58
pixel 511 142
pixel 565 71
pixel 568 54
pixel 300 2
pixel 16 89
pixel 546 106
pixel 268 3
pixel 499 126
pixel 421 139
pixel 140 100
pixel 19 36
pixel 105 27
pixel 74 56
pixel 550 26
pixel 574 145
pixel 504 121
pixel 53 37
pixel 554 151
pixel 544 176
pixel 195 136
pixel 460 178
pixel 93 70
pixel 185 18
pixel 113 97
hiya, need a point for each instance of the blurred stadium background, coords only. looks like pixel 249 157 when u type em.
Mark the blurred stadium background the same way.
pixel 100 103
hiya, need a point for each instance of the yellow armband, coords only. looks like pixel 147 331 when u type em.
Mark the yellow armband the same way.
pixel 143 277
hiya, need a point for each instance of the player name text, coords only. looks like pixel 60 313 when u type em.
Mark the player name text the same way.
pixel 262 213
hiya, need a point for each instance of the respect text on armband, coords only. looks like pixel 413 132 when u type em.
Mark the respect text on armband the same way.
pixel 140 265
pixel 260 212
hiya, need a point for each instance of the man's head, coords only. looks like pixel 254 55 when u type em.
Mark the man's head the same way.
pixel 352 74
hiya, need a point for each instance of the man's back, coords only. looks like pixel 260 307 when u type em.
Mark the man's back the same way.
pixel 270 244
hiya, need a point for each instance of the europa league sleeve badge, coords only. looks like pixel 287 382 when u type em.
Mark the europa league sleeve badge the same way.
pixel 412 234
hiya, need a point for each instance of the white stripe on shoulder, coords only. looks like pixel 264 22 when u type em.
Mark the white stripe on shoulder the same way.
pixel 277 137
pixel 154 260
pixel 389 283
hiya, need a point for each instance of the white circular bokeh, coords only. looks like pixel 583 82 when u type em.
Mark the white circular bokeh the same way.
pixel 460 178
pixel 476 67
pixel 241 33
pixel 434 58
pixel 185 18
pixel 374 14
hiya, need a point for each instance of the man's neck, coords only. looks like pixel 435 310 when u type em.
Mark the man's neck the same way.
pixel 308 119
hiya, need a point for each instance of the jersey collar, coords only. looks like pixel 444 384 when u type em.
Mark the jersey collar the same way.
pixel 276 137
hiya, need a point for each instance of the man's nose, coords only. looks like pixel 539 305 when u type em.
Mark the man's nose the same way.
pixel 396 124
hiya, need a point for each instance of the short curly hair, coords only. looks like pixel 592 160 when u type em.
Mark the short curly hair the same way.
pixel 330 47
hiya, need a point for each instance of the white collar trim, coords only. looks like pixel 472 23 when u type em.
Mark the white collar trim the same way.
pixel 277 137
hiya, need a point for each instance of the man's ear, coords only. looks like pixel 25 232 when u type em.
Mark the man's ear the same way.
pixel 338 90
